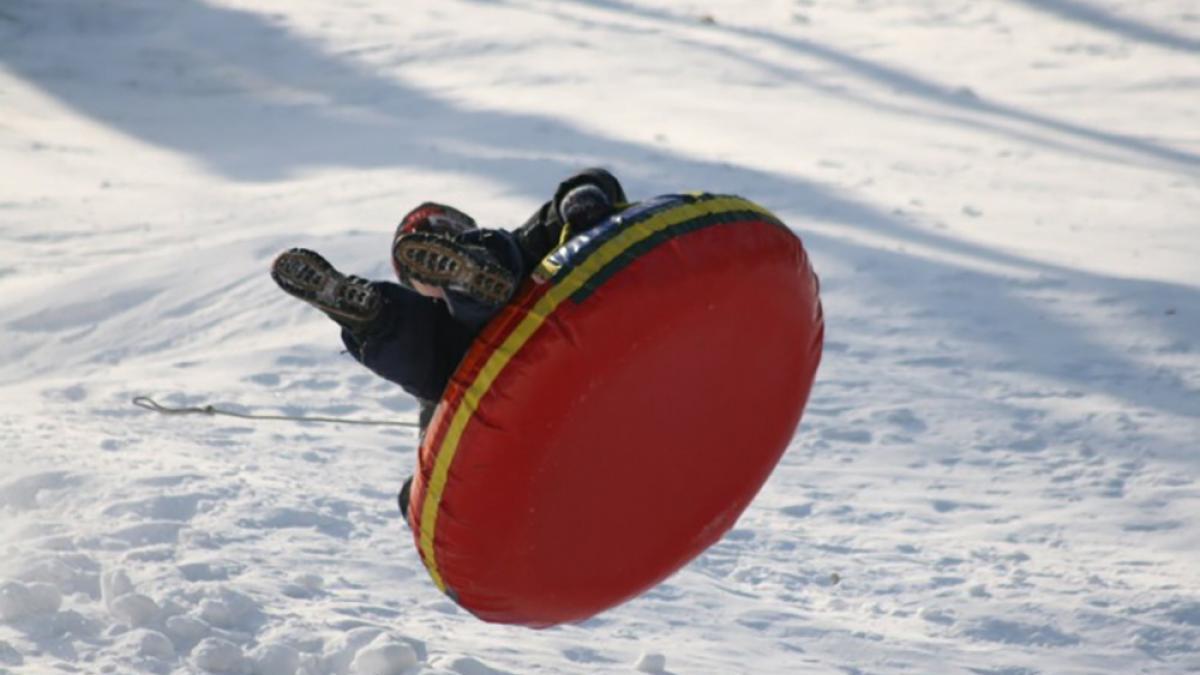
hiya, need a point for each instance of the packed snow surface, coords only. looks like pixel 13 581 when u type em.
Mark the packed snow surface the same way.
pixel 997 472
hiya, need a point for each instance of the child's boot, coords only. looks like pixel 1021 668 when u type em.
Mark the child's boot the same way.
pixel 441 262
pixel 351 301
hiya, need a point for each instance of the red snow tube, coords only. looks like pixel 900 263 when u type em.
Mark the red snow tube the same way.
pixel 615 419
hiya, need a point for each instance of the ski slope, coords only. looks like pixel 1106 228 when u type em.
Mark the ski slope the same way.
pixel 997 472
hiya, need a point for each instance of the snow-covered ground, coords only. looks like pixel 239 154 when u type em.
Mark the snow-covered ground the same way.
pixel 997 472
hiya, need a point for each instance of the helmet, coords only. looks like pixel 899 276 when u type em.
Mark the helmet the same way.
pixel 437 219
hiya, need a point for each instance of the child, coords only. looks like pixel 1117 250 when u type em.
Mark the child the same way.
pixel 453 278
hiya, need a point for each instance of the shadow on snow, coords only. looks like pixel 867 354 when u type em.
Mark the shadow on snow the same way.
pixel 256 102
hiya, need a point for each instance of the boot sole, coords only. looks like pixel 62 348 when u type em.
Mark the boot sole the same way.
pixel 306 275
pixel 431 259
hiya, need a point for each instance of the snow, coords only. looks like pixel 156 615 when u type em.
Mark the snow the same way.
pixel 214 655
pixel 997 472
pixel 651 663
pixel 384 658
pixel 18 600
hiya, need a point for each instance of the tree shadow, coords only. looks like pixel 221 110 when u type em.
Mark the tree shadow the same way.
pixel 893 78
pixel 988 313
pixel 255 102
pixel 798 77
pixel 1125 27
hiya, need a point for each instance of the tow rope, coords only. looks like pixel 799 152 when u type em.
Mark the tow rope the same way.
pixel 150 404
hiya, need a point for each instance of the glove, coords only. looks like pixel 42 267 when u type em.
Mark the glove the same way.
pixel 583 207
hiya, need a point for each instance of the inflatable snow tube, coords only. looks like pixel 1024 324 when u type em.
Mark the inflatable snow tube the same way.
pixel 617 417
